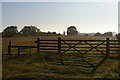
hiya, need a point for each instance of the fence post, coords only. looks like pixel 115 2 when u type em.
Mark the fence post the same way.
pixel 59 49
pixel 9 49
pixel 38 45
pixel 107 47
pixel 118 37
pixel 18 51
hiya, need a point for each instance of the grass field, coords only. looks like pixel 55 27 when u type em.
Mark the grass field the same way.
pixel 44 66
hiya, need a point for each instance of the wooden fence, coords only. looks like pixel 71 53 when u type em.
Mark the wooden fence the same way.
pixel 19 48
pixel 72 51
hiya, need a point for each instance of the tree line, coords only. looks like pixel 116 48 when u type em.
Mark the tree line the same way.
pixel 25 31
pixel 33 30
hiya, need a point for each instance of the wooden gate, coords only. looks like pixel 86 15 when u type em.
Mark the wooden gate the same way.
pixel 89 54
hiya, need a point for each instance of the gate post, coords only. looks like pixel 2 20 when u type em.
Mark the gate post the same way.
pixel 107 47
pixel 38 45
pixel 9 49
pixel 59 49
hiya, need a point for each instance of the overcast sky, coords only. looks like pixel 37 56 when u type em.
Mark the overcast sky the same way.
pixel 57 16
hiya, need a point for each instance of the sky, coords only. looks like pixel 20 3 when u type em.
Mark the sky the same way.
pixel 119 17
pixel 87 17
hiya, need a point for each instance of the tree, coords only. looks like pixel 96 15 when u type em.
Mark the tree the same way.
pixel 72 30
pixel 86 35
pixel 51 33
pixel 118 36
pixel 30 30
pixel 63 33
pixel 11 29
pixel 54 33
pixel 108 34
pixel 98 34
pixel 59 34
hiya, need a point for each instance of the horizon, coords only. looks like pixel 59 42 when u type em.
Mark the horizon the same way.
pixel 87 17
